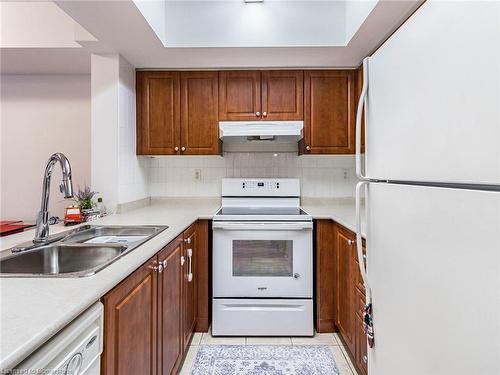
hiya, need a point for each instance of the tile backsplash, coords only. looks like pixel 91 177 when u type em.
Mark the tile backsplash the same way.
pixel 321 176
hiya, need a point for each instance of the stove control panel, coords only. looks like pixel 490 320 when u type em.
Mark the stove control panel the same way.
pixel 260 187
pixel 254 184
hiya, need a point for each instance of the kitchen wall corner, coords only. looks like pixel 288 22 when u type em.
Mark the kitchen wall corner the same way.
pixel 118 173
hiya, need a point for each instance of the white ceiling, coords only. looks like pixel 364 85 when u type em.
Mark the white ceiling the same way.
pixel 222 23
pixel 122 26
pixel 47 40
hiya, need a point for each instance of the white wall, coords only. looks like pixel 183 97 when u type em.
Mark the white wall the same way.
pixel 40 115
pixel 105 99
pixel 320 176
pixel 356 12
pixel 117 172
pixel 39 24
pixel 269 24
pixel 133 170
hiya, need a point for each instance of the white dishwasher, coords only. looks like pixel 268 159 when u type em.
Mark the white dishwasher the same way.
pixel 75 350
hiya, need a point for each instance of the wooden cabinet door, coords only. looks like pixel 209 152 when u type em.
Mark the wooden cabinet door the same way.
pixel 158 113
pixel 282 95
pixel 130 324
pixel 170 336
pixel 239 95
pixel 344 243
pixel 329 122
pixel 325 274
pixel 203 227
pixel 199 113
pixel 361 353
pixel 190 281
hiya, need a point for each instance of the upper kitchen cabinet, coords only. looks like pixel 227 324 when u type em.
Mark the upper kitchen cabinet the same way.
pixel 158 113
pixel 239 95
pixel 329 123
pixel 266 95
pixel 282 95
pixel 199 113
pixel 177 113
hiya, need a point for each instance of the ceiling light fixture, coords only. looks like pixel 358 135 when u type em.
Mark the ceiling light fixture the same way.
pixel 253 1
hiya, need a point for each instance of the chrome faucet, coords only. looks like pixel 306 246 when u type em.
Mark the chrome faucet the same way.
pixel 66 187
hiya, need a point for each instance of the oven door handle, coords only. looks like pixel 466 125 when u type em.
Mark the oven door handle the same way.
pixel 224 225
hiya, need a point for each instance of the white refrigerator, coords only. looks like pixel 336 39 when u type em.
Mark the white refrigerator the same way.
pixel 431 180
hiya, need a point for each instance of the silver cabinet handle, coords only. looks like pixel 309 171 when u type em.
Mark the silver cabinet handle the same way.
pixel 264 114
pixel 308 148
pixel 183 149
pixel 187 240
pixel 176 148
pixel 190 268
pixel 183 260
pixel 359 114
pixel 164 263
pixel 365 359
pixel 351 242
pixel 158 268
pixel 257 114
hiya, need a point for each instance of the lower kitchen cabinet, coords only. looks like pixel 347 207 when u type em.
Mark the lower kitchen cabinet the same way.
pixel 150 316
pixel 170 338
pixel 361 348
pixel 189 284
pixel 131 324
pixel 325 265
pixel 340 294
pixel 345 281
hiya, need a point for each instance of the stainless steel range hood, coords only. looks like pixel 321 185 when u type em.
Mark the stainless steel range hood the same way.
pixel 261 135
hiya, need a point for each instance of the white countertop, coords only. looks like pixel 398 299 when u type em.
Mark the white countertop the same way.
pixel 341 210
pixel 33 309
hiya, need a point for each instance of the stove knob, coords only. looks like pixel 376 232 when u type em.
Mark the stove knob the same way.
pixel 296 275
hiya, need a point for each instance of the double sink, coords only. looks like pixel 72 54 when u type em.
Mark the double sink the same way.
pixel 81 252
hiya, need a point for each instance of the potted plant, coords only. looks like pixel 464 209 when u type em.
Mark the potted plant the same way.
pixel 84 199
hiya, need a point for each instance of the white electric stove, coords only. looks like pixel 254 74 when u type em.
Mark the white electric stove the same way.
pixel 262 260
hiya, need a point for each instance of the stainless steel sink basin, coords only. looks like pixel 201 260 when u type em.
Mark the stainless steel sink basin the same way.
pixel 77 253
pixel 88 232
pixel 62 259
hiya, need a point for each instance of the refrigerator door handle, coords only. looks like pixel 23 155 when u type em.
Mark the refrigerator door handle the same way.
pixel 359 116
pixel 359 239
pixel 368 310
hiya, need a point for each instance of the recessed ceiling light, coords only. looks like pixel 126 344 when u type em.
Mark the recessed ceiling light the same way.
pixel 254 1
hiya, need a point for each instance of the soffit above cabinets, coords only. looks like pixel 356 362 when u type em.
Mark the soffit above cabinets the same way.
pixel 37 37
pixel 233 34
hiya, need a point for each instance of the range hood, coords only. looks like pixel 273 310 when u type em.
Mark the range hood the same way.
pixel 259 135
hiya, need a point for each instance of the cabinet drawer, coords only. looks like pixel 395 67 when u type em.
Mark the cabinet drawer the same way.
pixel 360 303
pixel 361 348
pixel 262 317
pixel 358 280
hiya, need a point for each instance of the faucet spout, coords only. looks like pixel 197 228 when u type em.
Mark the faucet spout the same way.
pixel 66 187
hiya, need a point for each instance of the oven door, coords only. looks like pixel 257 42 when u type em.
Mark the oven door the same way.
pixel 262 259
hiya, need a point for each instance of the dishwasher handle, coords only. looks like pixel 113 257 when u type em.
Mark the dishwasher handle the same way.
pixel 225 225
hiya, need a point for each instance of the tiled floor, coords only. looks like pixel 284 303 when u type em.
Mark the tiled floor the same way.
pixel 339 352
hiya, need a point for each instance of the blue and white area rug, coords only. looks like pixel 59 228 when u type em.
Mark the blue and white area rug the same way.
pixel 264 360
